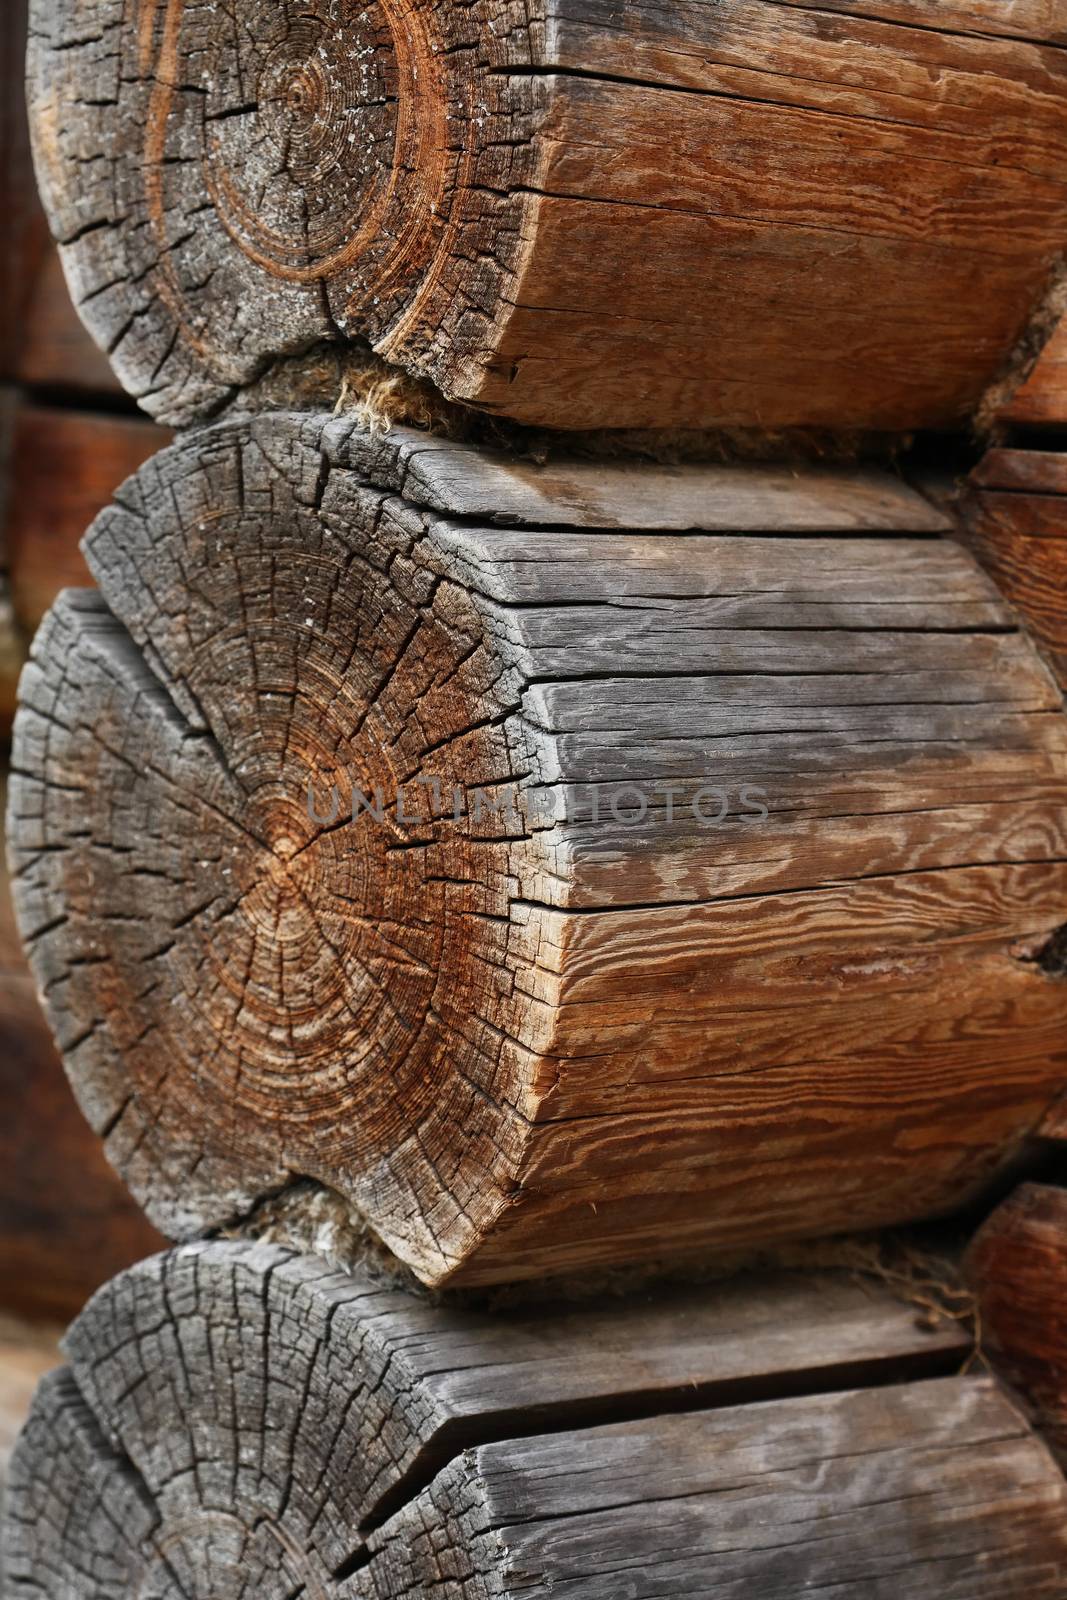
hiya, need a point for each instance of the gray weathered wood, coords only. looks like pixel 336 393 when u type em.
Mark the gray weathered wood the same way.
pixel 932 1491
pixel 462 480
pixel 794 1010
pixel 236 1416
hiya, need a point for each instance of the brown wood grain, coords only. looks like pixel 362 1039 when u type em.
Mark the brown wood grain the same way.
pixel 658 1037
pixel 1015 522
pixel 1017 1266
pixel 675 215
pixel 1017 19
pixel 1041 400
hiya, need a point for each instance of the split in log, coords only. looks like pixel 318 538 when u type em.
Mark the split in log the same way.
pixel 1017 1267
pixel 740 213
pixel 681 907
pixel 1015 522
pixel 238 1421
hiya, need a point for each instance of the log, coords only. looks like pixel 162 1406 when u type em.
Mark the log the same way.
pixel 1017 1267
pixel 675 215
pixel 750 1501
pixel 710 936
pixel 1042 399
pixel 1014 512
pixel 42 340
pixel 67 1224
pixel 238 1420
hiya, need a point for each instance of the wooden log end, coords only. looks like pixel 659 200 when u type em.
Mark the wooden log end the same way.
pixel 238 1421
pixel 344 862
pixel 712 217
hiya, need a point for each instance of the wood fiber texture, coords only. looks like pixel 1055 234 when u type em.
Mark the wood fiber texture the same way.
pixel 238 1421
pixel 744 212
pixel 1015 522
pixel 565 1006
pixel 1040 401
pixel 1017 1265
pixel 66 1221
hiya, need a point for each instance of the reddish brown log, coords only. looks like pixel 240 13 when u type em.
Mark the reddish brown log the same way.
pixel 1014 515
pixel 666 215
pixel 1017 1266
pixel 1040 400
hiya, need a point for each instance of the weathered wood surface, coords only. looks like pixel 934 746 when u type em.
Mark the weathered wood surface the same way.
pixel 42 339
pixel 1017 1266
pixel 1036 20
pixel 237 1420
pixel 66 1222
pixel 1014 519
pixel 672 215
pixel 525 1039
pixel 930 1491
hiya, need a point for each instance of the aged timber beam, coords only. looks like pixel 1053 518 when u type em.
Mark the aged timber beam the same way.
pixel 239 1421
pixel 1017 1267
pixel 1014 519
pixel 569 212
pixel 565 865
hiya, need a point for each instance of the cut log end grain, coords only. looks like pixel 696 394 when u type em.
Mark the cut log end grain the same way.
pixel 238 1423
pixel 66 1222
pixel 549 1000
pixel 741 214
